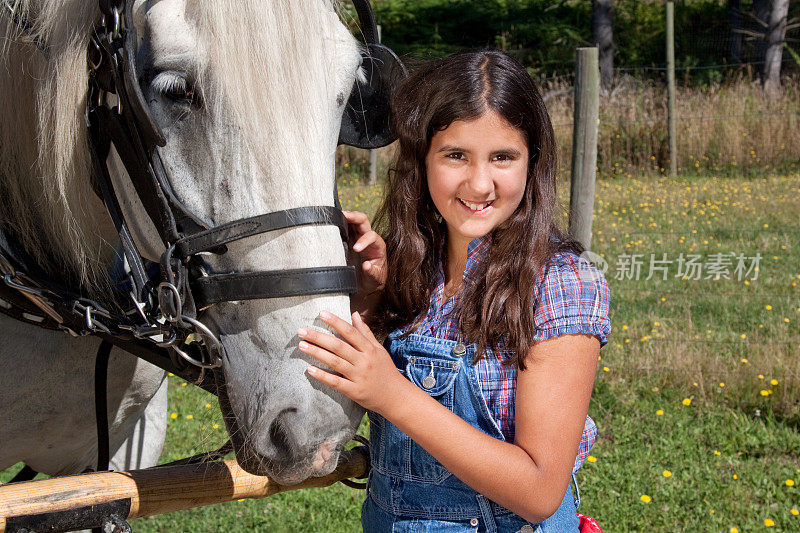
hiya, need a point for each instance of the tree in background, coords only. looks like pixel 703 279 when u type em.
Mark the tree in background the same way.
pixel 774 36
pixel 603 38
pixel 735 34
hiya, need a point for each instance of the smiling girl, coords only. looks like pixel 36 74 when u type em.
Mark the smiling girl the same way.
pixel 491 322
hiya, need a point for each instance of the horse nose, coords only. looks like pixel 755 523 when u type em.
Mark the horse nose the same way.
pixel 283 433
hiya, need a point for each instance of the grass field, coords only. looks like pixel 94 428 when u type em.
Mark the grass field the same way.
pixel 697 396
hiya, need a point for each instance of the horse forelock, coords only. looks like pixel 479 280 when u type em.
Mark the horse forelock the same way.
pixel 284 51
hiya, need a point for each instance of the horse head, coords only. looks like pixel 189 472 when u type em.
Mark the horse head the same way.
pixel 249 97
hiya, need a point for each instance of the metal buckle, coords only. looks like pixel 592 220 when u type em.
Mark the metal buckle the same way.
pixel 212 345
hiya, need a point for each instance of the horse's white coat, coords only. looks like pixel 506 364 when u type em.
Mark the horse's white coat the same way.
pixel 273 77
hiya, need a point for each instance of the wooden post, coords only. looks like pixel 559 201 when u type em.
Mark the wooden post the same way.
pixel 673 139
pixel 83 501
pixel 584 145
pixel 373 154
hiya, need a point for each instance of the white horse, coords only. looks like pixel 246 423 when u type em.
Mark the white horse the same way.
pixel 249 95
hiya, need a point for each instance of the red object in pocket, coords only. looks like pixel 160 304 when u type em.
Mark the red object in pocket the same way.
pixel 587 524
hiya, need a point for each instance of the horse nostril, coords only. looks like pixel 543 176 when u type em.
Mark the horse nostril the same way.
pixel 279 433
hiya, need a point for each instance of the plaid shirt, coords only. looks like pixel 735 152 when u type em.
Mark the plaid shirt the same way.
pixel 573 297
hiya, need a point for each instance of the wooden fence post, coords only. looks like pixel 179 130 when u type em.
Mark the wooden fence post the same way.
pixel 673 140
pixel 584 145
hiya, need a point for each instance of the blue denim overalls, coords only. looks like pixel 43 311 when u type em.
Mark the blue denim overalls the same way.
pixel 408 489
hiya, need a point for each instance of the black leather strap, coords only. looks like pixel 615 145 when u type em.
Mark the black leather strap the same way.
pixel 246 227
pixel 366 19
pixel 101 404
pixel 216 288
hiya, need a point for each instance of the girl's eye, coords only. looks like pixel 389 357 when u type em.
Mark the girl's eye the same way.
pixel 455 155
pixel 503 157
pixel 176 87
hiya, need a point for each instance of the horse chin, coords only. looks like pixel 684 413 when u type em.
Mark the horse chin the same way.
pixel 282 475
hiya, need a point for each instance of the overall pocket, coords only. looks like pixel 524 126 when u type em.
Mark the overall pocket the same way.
pixel 437 377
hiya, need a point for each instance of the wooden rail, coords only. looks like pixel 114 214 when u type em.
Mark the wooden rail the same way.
pixel 83 501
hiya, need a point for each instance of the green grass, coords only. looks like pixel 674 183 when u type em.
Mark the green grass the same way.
pixel 673 340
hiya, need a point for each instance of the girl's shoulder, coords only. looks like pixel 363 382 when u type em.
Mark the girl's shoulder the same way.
pixel 572 296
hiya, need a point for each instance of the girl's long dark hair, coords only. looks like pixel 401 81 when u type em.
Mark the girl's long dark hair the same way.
pixel 497 304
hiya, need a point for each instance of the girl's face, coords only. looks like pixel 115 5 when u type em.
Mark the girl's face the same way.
pixel 477 171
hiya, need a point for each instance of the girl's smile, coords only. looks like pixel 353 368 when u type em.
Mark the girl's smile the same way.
pixel 477 171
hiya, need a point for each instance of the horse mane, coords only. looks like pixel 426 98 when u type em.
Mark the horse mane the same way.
pixel 43 182
pixel 45 165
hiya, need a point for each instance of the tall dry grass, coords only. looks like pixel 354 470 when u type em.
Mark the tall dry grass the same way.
pixel 726 126
pixel 730 126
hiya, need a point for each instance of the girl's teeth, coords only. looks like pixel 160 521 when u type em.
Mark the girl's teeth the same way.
pixel 475 207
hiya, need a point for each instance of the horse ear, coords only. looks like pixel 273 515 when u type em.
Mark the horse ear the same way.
pixel 367 120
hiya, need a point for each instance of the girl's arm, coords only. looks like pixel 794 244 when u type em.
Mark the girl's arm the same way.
pixel 371 254
pixel 528 477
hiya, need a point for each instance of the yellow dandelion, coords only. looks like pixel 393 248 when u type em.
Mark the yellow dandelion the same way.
pixel 790 483
pixel 769 523
pixel 605 369
pixel 666 473
pixel 765 392
pixel 795 512
pixel 173 416
pixel 215 426
pixel 208 406
pixel 717 452
pixel 591 459
pixel 761 376
pixel 735 476
pixel 721 384
pixel 768 307
pixel 743 336
pixel 184 384
pixel 624 326
pixel 734 530
pixel 744 361
pixel 189 417
pixel 687 401
pixel 773 382
pixel 171 375
pixel 645 498
pixel 240 500
pixel 660 412
pixel 711 511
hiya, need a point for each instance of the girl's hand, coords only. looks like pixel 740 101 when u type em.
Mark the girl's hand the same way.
pixel 367 373
pixel 371 251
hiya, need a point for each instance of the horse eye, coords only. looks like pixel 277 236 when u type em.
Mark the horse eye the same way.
pixel 177 88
